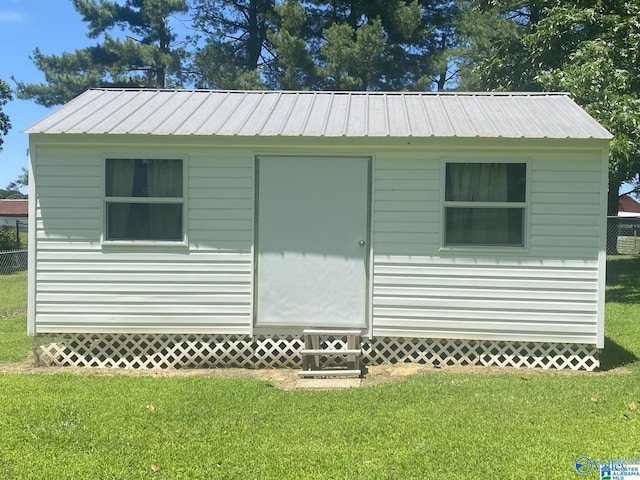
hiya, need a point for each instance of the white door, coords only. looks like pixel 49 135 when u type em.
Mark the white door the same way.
pixel 312 241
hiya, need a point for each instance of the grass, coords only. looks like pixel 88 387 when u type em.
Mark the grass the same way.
pixel 518 425
pixel 14 343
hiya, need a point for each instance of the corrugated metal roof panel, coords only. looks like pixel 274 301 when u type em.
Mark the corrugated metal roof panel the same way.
pixel 322 114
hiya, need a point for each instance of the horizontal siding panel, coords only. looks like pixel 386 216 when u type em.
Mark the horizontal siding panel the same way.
pixel 477 304
pixel 50 204
pixel 542 209
pixel 78 158
pixel 213 289
pixel 572 177
pixel 71 181
pixel 75 191
pixel 84 171
pixel 218 224
pixel 400 163
pixel 403 237
pixel 211 183
pixel 71 212
pixel 405 194
pixel 133 276
pixel 85 234
pixel 406 206
pixel 74 223
pixel 409 183
pixel 416 217
pixel 511 326
pixel 564 239
pixel 406 227
pixel 199 179
pixel 399 294
pixel 160 309
pixel 402 248
pixel 220 245
pixel 562 199
pixel 219 214
pixel 428 171
pixel 471 272
pixel 240 203
pixel 542 337
pixel 396 316
pixel 565 188
pixel 214 195
pixel 560 219
pixel 485 282
pixel 156 267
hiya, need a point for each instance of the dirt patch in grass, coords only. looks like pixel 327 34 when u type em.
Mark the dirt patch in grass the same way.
pixel 287 378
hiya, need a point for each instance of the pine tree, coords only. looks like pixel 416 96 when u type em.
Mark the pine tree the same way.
pixel 145 56
pixel 362 44
pixel 235 39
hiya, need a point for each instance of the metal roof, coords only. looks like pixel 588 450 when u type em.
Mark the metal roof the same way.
pixel 322 114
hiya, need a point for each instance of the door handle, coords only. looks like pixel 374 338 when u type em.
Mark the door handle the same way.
pixel 362 243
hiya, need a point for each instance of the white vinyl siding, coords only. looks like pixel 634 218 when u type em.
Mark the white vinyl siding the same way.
pixel 83 286
pixel 548 293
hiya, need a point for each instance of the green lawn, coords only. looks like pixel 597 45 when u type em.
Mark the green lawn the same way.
pixel 515 425
pixel 14 343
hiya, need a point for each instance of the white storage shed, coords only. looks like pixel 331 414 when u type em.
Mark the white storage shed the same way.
pixel 179 228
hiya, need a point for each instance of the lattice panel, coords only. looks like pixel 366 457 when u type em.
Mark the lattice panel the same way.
pixel 210 351
pixel 470 352
pixel 163 351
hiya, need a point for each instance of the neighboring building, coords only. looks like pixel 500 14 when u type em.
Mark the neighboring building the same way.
pixel 628 206
pixel 13 210
pixel 180 228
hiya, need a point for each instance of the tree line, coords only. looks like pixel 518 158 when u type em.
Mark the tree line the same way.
pixel 589 48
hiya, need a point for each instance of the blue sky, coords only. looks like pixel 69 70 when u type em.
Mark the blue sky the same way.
pixel 53 26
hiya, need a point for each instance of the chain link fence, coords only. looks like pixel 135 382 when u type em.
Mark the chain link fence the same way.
pixel 13 282
pixel 623 235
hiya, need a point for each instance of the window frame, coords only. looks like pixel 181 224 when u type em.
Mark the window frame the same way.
pixel 524 206
pixel 183 241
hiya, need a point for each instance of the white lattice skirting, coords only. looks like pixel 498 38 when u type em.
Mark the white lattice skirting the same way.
pixel 211 351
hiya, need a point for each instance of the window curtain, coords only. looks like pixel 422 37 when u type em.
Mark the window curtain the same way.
pixel 478 182
pixel 119 183
pixel 164 179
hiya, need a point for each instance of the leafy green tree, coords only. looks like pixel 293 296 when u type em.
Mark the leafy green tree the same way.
pixel 147 56
pixel 21 181
pixel 589 48
pixel 5 97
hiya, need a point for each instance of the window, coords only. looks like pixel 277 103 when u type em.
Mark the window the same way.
pixel 143 199
pixel 485 204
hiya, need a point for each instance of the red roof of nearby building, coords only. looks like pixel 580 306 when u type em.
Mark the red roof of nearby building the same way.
pixel 628 204
pixel 14 208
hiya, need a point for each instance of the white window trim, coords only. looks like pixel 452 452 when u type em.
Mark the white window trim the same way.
pixel 179 244
pixel 525 206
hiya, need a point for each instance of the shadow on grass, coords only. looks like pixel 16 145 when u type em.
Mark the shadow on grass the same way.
pixel 623 279
pixel 614 355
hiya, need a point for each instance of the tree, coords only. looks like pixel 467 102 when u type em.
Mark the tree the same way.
pixel 147 56
pixel 5 97
pixel 589 48
pixel 21 181
pixel 235 42
pixel 362 44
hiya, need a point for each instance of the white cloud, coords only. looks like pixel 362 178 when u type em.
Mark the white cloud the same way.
pixel 8 16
